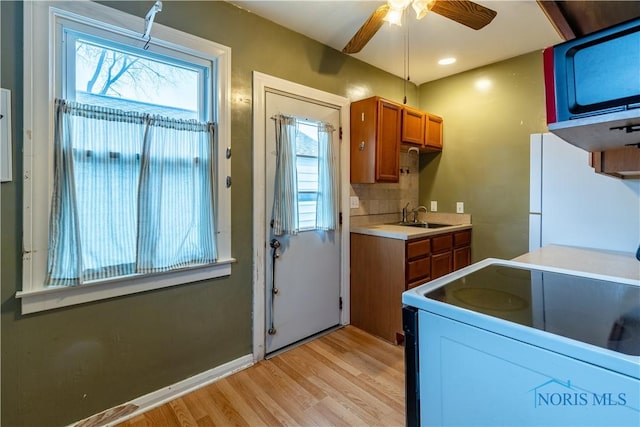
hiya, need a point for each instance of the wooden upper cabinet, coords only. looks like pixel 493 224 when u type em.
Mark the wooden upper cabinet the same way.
pixel 413 126
pixel 375 140
pixel 378 127
pixel 433 133
pixel 623 163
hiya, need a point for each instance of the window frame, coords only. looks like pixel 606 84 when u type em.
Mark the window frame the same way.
pixel 42 45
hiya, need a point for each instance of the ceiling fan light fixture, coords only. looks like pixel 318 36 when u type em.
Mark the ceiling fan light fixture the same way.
pixel 398 4
pixel 422 7
pixel 394 16
pixel 464 12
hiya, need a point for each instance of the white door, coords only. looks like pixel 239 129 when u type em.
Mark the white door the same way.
pixel 302 272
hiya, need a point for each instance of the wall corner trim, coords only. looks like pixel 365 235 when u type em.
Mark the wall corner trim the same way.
pixel 138 406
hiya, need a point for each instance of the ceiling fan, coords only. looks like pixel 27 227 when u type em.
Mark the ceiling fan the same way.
pixel 464 12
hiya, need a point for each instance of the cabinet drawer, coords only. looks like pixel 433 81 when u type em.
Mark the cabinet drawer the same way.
pixel 461 238
pixel 441 243
pixel 418 269
pixel 411 285
pixel 418 248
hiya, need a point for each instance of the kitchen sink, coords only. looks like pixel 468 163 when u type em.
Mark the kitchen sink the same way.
pixel 423 224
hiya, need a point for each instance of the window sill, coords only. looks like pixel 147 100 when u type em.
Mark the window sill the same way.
pixel 34 301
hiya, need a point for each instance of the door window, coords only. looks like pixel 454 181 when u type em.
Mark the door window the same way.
pixel 307 173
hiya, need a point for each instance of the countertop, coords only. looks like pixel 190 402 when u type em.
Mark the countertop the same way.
pixel 403 232
pixel 595 261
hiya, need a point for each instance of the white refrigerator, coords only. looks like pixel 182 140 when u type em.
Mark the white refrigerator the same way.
pixel 572 205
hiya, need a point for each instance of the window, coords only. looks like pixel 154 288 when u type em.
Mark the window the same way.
pixel 108 74
pixel 131 179
pixel 307 171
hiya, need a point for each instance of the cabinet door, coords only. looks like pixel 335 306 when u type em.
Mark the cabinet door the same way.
pixel 413 126
pixel 433 134
pixel 388 141
pixel 461 257
pixel 363 140
pixel 441 264
pixel 377 282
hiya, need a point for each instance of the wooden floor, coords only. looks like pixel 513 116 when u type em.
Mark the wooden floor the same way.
pixel 345 378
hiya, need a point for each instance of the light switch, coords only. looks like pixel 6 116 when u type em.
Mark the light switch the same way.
pixel 354 202
pixel 459 207
pixel 434 206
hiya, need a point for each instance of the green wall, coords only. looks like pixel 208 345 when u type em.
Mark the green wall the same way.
pixel 63 365
pixel 485 161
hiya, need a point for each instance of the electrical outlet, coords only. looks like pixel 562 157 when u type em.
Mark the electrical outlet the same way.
pixel 354 202
pixel 434 206
pixel 459 207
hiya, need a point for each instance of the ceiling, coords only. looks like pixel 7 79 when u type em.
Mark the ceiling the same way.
pixel 521 26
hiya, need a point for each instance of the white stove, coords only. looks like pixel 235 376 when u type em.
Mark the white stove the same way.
pixel 508 343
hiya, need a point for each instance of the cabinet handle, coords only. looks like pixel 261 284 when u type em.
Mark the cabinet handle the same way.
pixel 361 146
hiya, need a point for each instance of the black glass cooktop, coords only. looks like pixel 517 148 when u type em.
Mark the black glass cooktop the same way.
pixel 598 312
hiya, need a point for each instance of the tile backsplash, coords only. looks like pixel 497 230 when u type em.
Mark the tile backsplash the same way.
pixel 383 202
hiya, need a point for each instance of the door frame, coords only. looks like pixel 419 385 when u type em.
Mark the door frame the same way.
pixel 262 83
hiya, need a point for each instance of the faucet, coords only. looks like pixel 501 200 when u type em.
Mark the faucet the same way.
pixel 416 210
pixel 404 213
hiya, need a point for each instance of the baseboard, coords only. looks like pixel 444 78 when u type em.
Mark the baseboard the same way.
pixel 156 398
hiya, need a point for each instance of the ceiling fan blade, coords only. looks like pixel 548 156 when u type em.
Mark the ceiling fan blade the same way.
pixel 368 29
pixel 465 12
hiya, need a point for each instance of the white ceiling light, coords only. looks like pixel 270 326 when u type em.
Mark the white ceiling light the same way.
pixel 447 61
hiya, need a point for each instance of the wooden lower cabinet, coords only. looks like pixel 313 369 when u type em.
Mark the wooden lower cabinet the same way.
pixel 377 283
pixel 382 268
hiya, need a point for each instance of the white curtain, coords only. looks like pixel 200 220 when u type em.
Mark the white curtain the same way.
pixel 328 194
pixel 64 232
pixel 175 206
pixel 285 203
pixel 132 194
